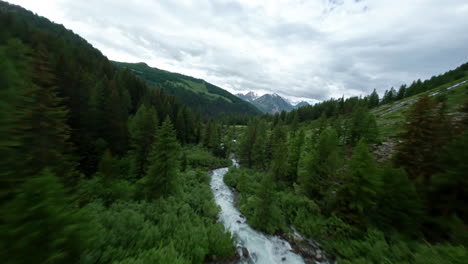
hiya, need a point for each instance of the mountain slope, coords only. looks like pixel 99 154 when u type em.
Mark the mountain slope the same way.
pixel 249 97
pixel 195 93
pixel 267 103
pixel 390 117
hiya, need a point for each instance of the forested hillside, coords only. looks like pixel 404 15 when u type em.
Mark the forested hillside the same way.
pixel 198 94
pixel 100 166
pixel 317 169
pixel 96 166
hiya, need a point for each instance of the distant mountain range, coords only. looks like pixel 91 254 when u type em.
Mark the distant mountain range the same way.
pixel 270 103
pixel 195 93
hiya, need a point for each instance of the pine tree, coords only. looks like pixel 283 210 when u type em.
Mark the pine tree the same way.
pixel 320 165
pixel 419 143
pixel 295 147
pixel 401 92
pixel 399 206
pixel 42 125
pixel 373 99
pixel 142 131
pixel 40 226
pixel 259 151
pixel 449 188
pixel 180 126
pixel 13 67
pixel 267 215
pixel 279 154
pixel 108 166
pixel 163 166
pixel 362 125
pixel 246 145
pixel 358 195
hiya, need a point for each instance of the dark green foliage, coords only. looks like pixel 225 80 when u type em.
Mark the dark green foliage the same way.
pixel 419 141
pixel 180 228
pixel 161 178
pixel 259 151
pixel 267 216
pixel 320 165
pixel 362 125
pixel 246 145
pixel 279 154
pixel 198 157
pixel 40 225
pixel 449 188
pixel 399 208
pixel 373 100
pixel 295 148
pixel 258 202
pixel 358 196
pixel 13 66
pixel 142 129
pixel 44 140
pixel 107 167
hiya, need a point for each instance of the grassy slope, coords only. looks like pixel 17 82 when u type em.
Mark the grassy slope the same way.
pixel 194 92
pixel 390 122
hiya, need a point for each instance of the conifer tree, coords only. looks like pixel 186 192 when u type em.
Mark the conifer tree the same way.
pixel 259 151
pixel 43 128
pixel 295 147
pixel 13 67
pixel 358 196
pixel 449 187
pixel 399 207
pixel 320 165
pixel 108 166
pixel 401 92
pixel 246 145
pixel 419 144
pixel 362 125
pixel 142 129
pixel 163 165
pixel 267 214
pixel 279 154
pixel 40 225
pixel 373 99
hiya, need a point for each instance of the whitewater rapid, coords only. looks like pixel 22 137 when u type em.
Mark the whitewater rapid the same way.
pixel 262 248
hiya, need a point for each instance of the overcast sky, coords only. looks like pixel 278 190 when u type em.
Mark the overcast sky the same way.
pixel 313 49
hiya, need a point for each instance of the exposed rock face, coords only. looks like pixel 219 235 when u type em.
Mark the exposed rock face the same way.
pixel 384 151
pixel 309 249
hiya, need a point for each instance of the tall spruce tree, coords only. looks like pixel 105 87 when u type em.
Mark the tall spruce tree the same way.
pixel 320 165
pixel 259 151
pixel 40 224
pixel 42 125
pixel 163 167
pixel 246 145
pixel 267 215
pixel 399 206
pixel 13 67
pixel 296 142
pixel 419 141
pixel 142 129
pixel 359 193
pixel 279 153
pixel 373 99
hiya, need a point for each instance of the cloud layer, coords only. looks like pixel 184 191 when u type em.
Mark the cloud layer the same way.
pixel 299 49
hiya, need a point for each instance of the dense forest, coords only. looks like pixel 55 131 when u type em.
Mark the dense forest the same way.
pixel 197 94
pixel 99 167
pixel 96 166
pixel 322 178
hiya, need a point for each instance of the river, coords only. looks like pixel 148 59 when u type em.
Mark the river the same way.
pixel 262 248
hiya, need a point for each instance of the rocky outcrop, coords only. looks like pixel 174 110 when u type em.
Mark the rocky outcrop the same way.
pixel 310 250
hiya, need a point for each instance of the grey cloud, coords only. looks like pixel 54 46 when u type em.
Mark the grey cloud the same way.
pixel 313 49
